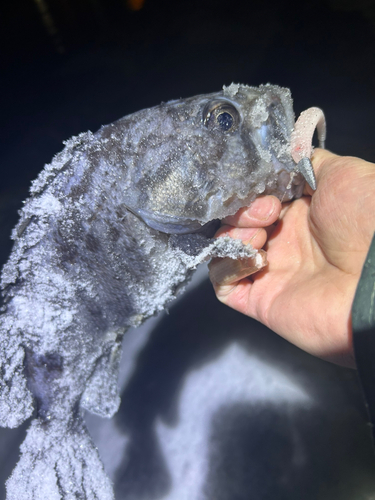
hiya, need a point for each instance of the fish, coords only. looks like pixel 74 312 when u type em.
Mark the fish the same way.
pixel 111 233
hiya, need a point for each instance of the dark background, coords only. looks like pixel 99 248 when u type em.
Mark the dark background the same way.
pixel 68 66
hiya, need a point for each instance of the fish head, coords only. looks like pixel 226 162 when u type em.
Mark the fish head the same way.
pixel 201 159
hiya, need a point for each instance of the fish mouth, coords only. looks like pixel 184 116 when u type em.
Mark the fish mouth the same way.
pixel 170 224
pixel 177 225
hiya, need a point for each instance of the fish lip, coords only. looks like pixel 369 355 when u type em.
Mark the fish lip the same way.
pixel 168 224
pixel 176 225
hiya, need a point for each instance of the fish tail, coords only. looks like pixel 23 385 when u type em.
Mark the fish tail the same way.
pixel 59 462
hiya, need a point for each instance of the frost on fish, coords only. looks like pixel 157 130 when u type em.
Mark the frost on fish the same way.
pixel 111 233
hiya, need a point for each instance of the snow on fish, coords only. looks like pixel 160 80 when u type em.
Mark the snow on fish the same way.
pixel 113 229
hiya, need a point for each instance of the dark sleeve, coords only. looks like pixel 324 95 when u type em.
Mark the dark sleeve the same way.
pixel 363 323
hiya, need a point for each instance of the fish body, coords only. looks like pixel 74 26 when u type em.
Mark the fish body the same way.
pixel 111 233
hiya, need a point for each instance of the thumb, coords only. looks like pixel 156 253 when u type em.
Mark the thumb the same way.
pixel 320 160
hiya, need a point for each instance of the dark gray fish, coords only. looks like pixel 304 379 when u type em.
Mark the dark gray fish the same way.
pixel 111 233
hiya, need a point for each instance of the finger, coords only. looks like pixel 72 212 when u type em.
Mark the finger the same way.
pixel 226 272
pixel 235 295
pixel 254 236
pixel 324 160
pixel 262 212
pixel 320 159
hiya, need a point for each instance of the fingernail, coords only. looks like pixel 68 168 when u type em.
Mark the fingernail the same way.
pixel 227 271
pixel 260 207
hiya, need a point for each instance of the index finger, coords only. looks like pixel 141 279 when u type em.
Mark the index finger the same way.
pixel 262 212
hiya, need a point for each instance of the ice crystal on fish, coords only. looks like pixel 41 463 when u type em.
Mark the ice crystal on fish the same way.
pixel 113 229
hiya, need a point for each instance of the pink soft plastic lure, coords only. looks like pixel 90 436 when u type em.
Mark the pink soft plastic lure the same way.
pixel 301 141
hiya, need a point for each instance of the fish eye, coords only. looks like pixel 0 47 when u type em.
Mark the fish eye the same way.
pixel 225 120
pixel 221 115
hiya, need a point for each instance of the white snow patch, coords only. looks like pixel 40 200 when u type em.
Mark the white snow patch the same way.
pixel 235 378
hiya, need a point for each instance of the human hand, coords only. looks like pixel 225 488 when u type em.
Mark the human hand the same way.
pixel 315 252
